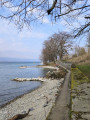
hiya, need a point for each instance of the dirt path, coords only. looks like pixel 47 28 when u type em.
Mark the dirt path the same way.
pixel 61 110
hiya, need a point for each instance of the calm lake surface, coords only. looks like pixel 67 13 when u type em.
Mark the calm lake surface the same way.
pixel 11 89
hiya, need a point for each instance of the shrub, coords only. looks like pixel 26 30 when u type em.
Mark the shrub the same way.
pixel 56 74
pixel 73 65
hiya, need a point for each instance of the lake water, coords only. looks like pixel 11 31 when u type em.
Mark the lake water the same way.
pixel 11 89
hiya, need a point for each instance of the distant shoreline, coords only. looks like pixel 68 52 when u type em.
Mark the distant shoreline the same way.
pixel 39 66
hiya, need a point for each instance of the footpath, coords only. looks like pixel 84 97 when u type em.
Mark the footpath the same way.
pixel 78 99
pixel 61 109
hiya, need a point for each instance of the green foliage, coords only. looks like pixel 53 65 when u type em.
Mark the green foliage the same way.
pixel 77 77
pixel 85 69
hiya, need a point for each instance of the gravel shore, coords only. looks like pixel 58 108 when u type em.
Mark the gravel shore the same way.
pixel 42 100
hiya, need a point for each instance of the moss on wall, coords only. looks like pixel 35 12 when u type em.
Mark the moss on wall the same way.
pixel 77 79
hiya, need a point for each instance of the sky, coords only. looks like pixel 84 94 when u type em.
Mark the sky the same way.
pixel 28 43
pixel 25 44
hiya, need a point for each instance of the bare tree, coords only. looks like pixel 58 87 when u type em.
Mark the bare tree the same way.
pixel 44 56
pixel 88 41
pixel 56 46
pixel 79 51
pixel 63 43
pixel 48 52
pixel 28 11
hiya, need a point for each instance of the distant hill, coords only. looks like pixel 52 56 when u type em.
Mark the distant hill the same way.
pixel 5 59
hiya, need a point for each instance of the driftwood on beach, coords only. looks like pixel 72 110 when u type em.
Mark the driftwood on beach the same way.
pixel 20 116
pixel 41 99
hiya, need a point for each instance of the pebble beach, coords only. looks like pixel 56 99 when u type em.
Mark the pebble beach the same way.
pixel 41 100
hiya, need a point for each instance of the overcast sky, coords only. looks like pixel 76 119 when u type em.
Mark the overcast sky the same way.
pixel 28 43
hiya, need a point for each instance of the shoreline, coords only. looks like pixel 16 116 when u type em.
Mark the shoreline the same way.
pixel 22 67
pixel 3 105
pixel 36 98
pixel 39 66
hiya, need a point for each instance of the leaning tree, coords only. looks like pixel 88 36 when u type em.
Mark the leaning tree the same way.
pixel 28 11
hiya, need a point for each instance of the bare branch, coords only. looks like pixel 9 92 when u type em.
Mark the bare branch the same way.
pixel 81 30
pixel 71 10
pixel 28 11
pixel 53 6
pixel 87 17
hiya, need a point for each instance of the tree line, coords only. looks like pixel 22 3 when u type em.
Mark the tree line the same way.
pixel 58 45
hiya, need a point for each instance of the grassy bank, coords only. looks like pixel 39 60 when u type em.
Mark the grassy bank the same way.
pixel 77 78
pixel 85 68
pixel 80 93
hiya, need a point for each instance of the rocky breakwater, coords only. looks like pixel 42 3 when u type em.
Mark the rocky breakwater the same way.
pixel 28 79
